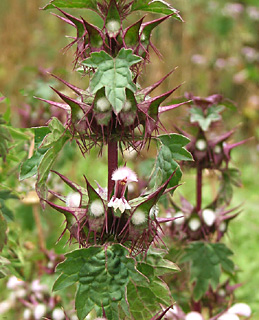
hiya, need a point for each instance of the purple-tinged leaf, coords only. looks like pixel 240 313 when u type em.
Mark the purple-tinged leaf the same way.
pixel 131 34
pixel 72 185
pixel 96 37
pixel 69 85
pixel 171 107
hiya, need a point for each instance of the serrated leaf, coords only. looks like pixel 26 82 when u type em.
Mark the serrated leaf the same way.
pixel 213 114
pixel 207 261
pixel 114 74
pixel 82 4
pixel 230 178
pixel 144 297
pixel 155 6
pixel 103 274
pixel 57 131
pixel 175 143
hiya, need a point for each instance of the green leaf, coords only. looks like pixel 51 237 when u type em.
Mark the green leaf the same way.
pixel 83 4
pixel 172 148
pixel 103 274
pixel 144 297
pixel 5 195
pixel 207 261
pixel 57 132
pixel 3 228
pixel 155 6
pixel 114 74
pixel 213 114
pixel 230 178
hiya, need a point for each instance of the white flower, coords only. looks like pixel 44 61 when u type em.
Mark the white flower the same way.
pixel 201 144
pixel 193 316
pixel 14 283
pixel 217 149
pixel 20 293
pixel 113 27
pixel 5 306
pixel 138 217
pixel 194 223
pixel 103 104
pixel 36 286
pixel 209 217
pixel 124 173
pixel 27 314
pixel 96 208
pixel 180 220
pixel 228 316
pixel 198 59
pixel 126 106
pixel 130 153
pixel 120 204
pixel 241 309
pixel 39 311
pixel 73 200
pixel 58 314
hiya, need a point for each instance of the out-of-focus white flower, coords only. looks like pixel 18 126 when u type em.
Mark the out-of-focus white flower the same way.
pixel 250 54
pixel 253 13
pixel 222 292
pixel 96 208
pixel 180 218
pixel 228 316
pixel 138 217
pixel 113 27
pixel 130 153
pixel 58 314
pixel 125 174
pixel 14 283
pixel 233 9
pixel 194 223
pixel 220 63
pixel 73 200
pixel 201 144
pixel 240 77
pixel 209 217
pixel 39 311
pixel 5 306
pixel 74 317
pixel 198 59
pixel 20 293
pixel 103 104
pixel 217 149
pixel 27 314
pixel 193 316
pixel 241 309
pixel 36 286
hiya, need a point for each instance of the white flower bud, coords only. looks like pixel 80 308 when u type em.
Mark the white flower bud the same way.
pixel 58 314
pixel 217 149
pixel 127 106
pixel 5 306
pixel 14 283
pixel 209 217
pixel 223 226
pixel 194 223
pixel 113 27
pixel 228 316
pixel 39 311
pixel 27 314
pixel 201 145
pixel 138 217
pixel 222 292
pixel 179 221
pixel 103 104
pixel 241 309
pixel 73 200
pixel 193 316
pixel 96 208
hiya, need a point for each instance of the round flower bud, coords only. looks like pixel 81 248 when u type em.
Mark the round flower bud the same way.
pixel 228 316
pixel 113 27
pixel 58 314
pixel 194 223
pixel 222 292
pixel 14 283
pixel 126 106
pixel 179 221
pixel 27 314
pixel 217 149
pixel 209 217
pixel 193 316
pixel 96 208
pixel 241 309
pixel 39 311
pixel 73 200
pixel 201 145
pixel 223 226
pixel 103 105
pixel 138 217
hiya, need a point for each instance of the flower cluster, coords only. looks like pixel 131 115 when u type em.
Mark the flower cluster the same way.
pixel 91 218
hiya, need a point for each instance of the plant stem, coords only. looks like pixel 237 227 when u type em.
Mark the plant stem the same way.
pixel 112 164
pixel 199 188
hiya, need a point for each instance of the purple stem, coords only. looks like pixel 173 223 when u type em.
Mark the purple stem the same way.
pixel 112 164
pixel 199 188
